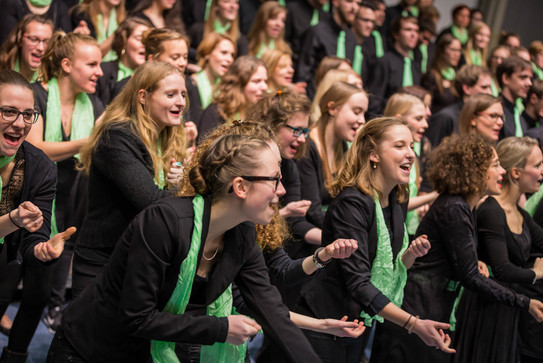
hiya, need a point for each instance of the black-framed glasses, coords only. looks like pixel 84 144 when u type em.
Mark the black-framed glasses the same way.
pixel 35 40
pixel 10 114
pixel 297 131
pixel 276 179
pixel 492 116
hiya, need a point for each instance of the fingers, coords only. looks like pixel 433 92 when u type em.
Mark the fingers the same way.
pixel 58 239
pixel 29 206
pixel 41 253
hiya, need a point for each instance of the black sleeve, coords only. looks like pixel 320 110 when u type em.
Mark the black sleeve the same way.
pixel 492 229
pixel 310 179
pixel 121 162
pixel 265 303
pixel 353 217
pixel 440 125
pixel 308 60
pixel 9 17
pixel 210 120
pixel 459 242
pixel 378 88
pixel 283 270
pixel 291 181
pixel 149 257
pixel 77 15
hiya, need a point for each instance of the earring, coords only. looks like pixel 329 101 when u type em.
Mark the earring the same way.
pixel 374 165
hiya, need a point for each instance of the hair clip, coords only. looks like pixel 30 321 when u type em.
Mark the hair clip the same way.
pixel 237 122
pixel 279 93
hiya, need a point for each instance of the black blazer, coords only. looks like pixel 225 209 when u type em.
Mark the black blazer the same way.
pixel 115 318
pixel 344 286
pixel 39 187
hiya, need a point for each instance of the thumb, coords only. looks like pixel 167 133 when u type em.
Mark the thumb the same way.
pixel 28 206
pixel 59 238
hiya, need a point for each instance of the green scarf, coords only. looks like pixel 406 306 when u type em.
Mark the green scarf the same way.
pixel 208 8
pixel 533 201
pixel 326 7
pixel 161 180
pixel 164 352
pixel 411 10
pixel 340 48
pixel 387 275
pixel 123 72
pixel 17 68
pixel 424 61
pixel 379 49
pixel 282 2
pixel 264 48
pixel 412 219
pixel 519 108
pixel 448 73
pixel 407 79
pixel 314 18
pixel 40 3
pixel 476 57
pixel 358 59
pixel 537 71
pixel 495 91
pixel 460 34
pixel 221 29
pixel 4 160
pixel 82 116
pixel 102 33
pixel 205 90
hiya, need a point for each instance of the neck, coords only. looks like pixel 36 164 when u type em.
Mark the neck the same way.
pixel 509 196
pixel 339 19
pixel 359 37
pixel 473 199
pixel 385 187
pixel 105 8
pixel 531 111
pixel 66 91
pixel 222 20
pixel 330 137
pixel 224 216
pixel 404 52
pixel 126 61
pixel 209 73
pixel 25 70
pixel 508 95
pixel 154 9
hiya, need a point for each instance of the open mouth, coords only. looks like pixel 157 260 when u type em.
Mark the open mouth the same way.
pixel 176 113
pixel 406 167
pixel 12 139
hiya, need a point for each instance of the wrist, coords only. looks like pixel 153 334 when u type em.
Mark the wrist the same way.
pixel 316 259
pixel 536 276
pixel 324 256
pixel 13 220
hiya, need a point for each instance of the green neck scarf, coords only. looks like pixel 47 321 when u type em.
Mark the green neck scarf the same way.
pixel 537 71
pixel 264 48
pixel 123 72
pixel 4 160
pixel 533 201
pixel 340 48
pixel 205 90
pixel 17 68
pixel 387 275
pixel 326 7
pixel 221 29
pixel 411 10
pixel 164 352
pixel 40 3
pixel 379 49
pixel 82 116
pixel 314 18
pixel 358 59
pixel 208 8
pixel 282 2
pixel 448 73
pixel 407 79
pixel 424 61
pixel 519 108
pixel 460 33
pixel 102 33
pixel 412 219
pixel 161 180
pixel 476 57
pixel 495 91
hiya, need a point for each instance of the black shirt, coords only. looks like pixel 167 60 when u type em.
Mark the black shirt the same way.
pixel 508 128
pixel 444 123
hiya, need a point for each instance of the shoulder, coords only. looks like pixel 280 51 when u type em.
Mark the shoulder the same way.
pixel 35 155
pixel 352 196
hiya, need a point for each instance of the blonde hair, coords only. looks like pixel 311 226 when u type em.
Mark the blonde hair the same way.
pixel 153 41
pixel 513 153
pixel 334 98
pixel 209 25
pixel 400 104
pixel 61 46
pixel 208 44
pixel 257 35
pixel 272 57
pixel 126 109
pixel 356 170
pixel 473 30
pixel 92 7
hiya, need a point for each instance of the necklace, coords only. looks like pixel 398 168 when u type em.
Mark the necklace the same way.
pixel 212 257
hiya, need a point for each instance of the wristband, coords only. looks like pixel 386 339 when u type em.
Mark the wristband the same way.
pixel 12 221
pixel 410 328
pixel 317 261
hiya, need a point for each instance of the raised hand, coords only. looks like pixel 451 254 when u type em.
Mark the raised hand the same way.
pixel 240 329
pixel 47 251
pixel 175 173
pixel 343 328
pixel 340 248
pixel 295 209
pixel 28 216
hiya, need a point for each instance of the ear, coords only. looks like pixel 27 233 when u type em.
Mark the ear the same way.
pixel 533 99
pixel 142 96
pixel 331 109
pixel 515 173
pixel 239 187
pixel 505 79
pixel 150 58
pixel 66 65
pixel 473 123
pixel 374 157
pixel 466 89
pixel 398 115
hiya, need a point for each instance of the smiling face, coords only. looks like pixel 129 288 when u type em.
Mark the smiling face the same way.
pixel 135 50
pixel 14 133
pixel 220 58
pixel 482 38
pixel 84 68
pixel 348 118
pixel 176 53
pixel 262 195
pixel 283 72
pixel 489 122
pixel 417 121
pixel 519 83
pixel 257 86
pixel 532 173
pixel 495 175
pixel 346 10
pixel 394 157
pixel 34 42
pixel 275 24
pixel 288 143
pixel 166 104
pixel 227 9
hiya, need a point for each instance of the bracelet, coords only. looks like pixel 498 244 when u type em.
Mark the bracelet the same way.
pixel 410 330
pixel 12 221
pixel 317 261
pixel 535 277
pixel 407 322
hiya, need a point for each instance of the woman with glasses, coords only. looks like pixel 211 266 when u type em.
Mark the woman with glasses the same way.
pixel 482 114
pixel 133 158
pixel 25 45
pixel 26 175
pixel 166 292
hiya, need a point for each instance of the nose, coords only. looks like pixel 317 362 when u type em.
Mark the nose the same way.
pixel 425 123
pixel 502 170
pixel 19 122
pixel 41 46
pixel 280 190
pixel 301 138
pixel 99 71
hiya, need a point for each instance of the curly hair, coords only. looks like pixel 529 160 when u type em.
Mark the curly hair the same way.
pixel 229 151
pixel 459 165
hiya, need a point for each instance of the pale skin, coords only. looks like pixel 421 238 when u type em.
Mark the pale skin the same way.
pixel 27 216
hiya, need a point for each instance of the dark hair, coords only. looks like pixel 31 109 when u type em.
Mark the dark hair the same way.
pixel 10 77
pixel 469 75
pixel 396 24
pixel 504 35
pixel 172 17
pixel 509 66
pixel 428 25
pixel 536 89
pixel 458 8
pixel 459 165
